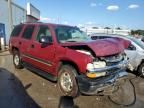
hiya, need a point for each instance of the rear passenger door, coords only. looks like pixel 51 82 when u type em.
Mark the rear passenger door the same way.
pixel 42 57
pixel 25 42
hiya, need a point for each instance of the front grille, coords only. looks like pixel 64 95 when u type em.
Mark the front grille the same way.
pixel 114 58
pixel 111 63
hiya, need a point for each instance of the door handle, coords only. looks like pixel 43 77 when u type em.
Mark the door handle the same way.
pixel 32 46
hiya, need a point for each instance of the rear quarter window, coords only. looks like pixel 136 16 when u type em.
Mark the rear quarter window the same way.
pixel 16 31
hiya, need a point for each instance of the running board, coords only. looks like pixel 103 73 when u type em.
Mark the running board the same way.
pixel 40 72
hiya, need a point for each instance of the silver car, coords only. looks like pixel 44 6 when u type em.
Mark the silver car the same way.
pixel 135 51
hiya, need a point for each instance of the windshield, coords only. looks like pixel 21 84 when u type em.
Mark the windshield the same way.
pixel 137 41
pixel 70 34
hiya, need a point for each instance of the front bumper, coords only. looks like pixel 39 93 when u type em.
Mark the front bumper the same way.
pixel 121 65
pixel 102 85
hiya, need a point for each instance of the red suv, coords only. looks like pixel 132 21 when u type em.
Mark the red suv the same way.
pixel 65 54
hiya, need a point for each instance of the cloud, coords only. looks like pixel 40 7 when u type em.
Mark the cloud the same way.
pixel 65 22
pixel 133 6
pixel 90 23
pixel 93 4
pixel 46 19
pixel 113 8
pixel 80 25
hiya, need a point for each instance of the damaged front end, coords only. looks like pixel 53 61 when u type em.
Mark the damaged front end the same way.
pixel 106 70
pixel 106 65
pixel 104 75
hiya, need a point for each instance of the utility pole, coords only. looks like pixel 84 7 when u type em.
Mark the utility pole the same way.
pixel 10 15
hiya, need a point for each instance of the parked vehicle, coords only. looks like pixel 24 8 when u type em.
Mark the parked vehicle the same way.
pixel 135 51
pixel 65 54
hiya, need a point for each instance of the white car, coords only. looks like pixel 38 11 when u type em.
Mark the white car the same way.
pixel 135 51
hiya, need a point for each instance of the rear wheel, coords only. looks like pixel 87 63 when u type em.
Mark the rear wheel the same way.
pixel 17 60
pixel 67 81
pixel 141 70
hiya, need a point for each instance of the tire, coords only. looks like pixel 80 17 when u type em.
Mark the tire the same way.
pixel 141 70
pixel 66 102
pixel 67 81
pixel 17 60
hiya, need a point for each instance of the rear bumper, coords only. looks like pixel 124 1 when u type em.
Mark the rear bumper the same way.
pixel 101 86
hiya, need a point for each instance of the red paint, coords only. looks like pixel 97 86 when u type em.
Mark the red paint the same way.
pixel 109 46
pixel 57 53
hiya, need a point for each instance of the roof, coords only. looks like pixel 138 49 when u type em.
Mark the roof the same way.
pixel 41 23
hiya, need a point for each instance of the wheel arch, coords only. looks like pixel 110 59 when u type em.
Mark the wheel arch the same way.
pixel 68 62
pixel 142 61
pixel 74 92
pixel 14 49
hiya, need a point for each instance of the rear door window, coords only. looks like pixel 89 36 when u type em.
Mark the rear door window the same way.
pixel 16 31
pixel 27 34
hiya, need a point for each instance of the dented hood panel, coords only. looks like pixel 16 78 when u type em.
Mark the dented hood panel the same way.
pixel 109 46
pixel 104 47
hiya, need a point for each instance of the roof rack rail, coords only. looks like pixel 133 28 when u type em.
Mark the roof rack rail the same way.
pixel 34 22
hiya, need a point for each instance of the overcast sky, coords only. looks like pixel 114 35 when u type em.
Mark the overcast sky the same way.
pixel 124 13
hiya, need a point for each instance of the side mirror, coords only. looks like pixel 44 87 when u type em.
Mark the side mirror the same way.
pixel 45 40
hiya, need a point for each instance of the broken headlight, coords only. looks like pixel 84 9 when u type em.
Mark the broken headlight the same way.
pixel 95 65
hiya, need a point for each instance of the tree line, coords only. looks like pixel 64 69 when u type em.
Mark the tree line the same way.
pixel 138 32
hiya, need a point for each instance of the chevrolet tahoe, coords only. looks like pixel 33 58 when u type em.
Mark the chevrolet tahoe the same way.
pixel 68 56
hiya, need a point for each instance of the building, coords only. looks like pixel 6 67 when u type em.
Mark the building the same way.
pixel 18 15
pixel 90 29
pixel 33 14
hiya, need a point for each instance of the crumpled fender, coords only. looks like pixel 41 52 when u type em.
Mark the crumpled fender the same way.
pixel 79 59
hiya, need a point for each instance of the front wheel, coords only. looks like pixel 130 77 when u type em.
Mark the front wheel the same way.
pixel 17 60
pixel 141 70
pixel 67 81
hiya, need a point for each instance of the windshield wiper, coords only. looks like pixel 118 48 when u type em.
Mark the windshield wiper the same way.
pixel 71 41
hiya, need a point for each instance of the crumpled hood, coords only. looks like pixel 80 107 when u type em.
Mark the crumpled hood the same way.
pixel 102 47
pixel 109 46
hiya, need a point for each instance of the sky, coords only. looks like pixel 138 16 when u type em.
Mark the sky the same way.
pixel 111 13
